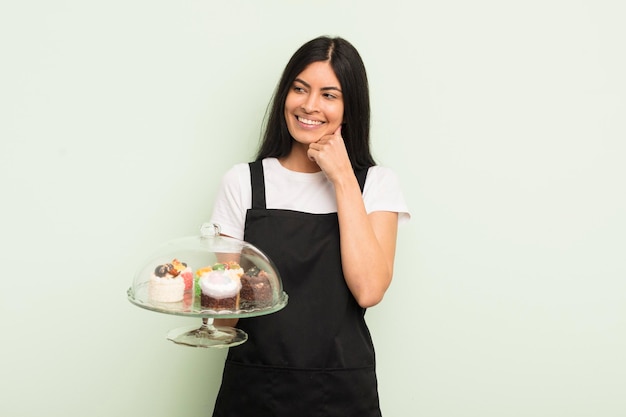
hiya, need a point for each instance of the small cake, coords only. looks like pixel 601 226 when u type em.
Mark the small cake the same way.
pixel 256 290
pixel 218 286
pixel 219 291
pixel 166 284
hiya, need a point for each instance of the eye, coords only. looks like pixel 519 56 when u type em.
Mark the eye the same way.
pixel 330 96
pixel 298 89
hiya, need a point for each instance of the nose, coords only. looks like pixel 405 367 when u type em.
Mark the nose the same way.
pixel 310 104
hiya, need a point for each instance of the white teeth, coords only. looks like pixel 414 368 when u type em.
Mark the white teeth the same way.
pixel 309 122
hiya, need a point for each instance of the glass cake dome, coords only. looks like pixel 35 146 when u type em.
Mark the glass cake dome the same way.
pixel 208 276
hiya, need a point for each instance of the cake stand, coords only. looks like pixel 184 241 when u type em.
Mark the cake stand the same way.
pixel 210 248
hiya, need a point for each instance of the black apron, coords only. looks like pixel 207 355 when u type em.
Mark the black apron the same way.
pixel 315 357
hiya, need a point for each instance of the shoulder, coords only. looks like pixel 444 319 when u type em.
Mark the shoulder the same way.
pixel 237 171
pixel 236 177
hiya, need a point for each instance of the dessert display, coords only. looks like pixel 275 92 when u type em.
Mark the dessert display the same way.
pixel 223 287
pixel 167 283
pixel 208 276
pixel 256 290
pixel 218 286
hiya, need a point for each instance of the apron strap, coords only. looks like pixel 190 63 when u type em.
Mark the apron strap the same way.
pixel 257 181
pixel 360 176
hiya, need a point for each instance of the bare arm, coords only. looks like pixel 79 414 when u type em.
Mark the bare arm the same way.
pixel 368 242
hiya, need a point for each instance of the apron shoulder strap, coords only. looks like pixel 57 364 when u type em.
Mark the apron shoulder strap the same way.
pixel 257 181
pixel 360 176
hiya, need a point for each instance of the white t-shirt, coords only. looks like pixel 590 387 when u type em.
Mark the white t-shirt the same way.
pixel 299 191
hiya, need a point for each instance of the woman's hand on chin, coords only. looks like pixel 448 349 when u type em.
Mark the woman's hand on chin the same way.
pixel 330 154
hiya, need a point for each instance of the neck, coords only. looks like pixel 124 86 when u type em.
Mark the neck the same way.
pixel 298 160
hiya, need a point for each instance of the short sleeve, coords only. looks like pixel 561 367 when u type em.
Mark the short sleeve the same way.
pixel 233 199
pixel 382 192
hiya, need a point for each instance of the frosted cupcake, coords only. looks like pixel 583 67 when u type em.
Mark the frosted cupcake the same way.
pixel 219 290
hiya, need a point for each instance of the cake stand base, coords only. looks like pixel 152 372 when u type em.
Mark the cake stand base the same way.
pixel 207 336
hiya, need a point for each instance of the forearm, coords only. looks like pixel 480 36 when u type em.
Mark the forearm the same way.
pixel 367 244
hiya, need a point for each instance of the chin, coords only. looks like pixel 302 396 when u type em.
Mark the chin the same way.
pixel 306 138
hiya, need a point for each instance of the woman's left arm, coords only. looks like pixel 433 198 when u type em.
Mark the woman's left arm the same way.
pixel 368 241
pixel 368 244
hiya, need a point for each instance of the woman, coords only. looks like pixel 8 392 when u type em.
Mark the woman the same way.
pixel 317 205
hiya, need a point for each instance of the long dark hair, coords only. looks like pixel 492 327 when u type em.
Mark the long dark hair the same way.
pixel 350 71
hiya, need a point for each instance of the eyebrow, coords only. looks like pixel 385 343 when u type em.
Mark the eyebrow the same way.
pixel 307 85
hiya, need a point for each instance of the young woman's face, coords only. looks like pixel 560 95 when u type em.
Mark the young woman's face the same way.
pixel 314 104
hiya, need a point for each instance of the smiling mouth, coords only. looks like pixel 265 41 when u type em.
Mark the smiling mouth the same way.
pixel 309 121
